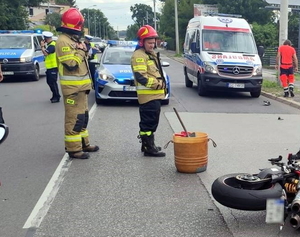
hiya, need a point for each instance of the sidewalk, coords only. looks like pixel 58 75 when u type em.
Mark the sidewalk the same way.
pixel 268 74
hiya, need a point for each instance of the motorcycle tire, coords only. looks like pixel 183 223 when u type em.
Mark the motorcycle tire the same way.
pixel 227 191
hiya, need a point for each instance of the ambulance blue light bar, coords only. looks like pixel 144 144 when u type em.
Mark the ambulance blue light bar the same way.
pixel 121 43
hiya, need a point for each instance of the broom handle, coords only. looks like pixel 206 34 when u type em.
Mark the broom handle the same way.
pixel 186 132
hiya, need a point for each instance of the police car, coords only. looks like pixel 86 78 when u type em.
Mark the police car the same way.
pixel 21 54
pixel 114 78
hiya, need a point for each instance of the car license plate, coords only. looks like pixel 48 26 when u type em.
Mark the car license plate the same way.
pixel 236 85
pixel 8 73
pixel 275 211
pixel 129 88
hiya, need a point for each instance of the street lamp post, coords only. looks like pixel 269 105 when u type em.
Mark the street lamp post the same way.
pixel 176 28
pixel 89 17
pixel 154 14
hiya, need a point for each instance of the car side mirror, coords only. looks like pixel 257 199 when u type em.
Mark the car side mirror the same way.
pixel 165 64
pixel 194 48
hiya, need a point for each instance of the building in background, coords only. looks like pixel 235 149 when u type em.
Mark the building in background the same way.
pixel 38 14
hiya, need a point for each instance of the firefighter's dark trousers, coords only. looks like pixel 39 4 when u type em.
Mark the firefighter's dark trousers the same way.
pixel 76 121
pixel 51 75
pixel 149 116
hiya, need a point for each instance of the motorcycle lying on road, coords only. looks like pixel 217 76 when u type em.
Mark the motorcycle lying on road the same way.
pixel 3 132
pixel 275 189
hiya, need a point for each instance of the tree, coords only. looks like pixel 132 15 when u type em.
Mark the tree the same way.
pixel 142 14
pixel 53 20
pixel 131 32
pixel 251 10
pixel 265 35
pixel 70 3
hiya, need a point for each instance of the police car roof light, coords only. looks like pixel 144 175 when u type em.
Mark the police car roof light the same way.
pixel 121 43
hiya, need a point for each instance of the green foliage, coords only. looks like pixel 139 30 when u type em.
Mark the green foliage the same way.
pixel 131 32
pixel 70 3
pixel 97 23
pixel 142 14
pixel 293 28
pixel 265 35
pixel 251 10
pixel 53 20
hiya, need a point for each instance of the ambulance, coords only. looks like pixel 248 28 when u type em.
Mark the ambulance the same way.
pixel 220 54
pixel 21 54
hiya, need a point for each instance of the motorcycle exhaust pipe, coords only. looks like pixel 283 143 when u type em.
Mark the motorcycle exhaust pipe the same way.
pixel 295 221
pixel 295 207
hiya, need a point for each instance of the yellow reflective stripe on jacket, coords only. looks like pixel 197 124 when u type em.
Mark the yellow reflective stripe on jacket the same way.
pixel 50 59
pixel 66 57
pixel 150 92
pixel 73 138
pixel 84 134
pixel 74 78
pixel 139 68
pixel 75 83
pixel 150 62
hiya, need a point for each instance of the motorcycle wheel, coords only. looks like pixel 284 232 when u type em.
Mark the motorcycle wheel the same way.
pixel 228 191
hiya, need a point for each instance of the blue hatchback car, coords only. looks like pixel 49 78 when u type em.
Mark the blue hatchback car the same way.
pixel 114 78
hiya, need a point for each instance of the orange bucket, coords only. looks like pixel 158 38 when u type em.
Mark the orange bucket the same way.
pixel 191 152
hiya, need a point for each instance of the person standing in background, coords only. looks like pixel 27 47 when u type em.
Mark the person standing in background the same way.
pixel 51 65
pixel 150 87
pixel 288 62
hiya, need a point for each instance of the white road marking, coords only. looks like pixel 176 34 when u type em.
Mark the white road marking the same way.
pixel 43 204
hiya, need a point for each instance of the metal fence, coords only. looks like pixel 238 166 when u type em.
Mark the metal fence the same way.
pixel 269 59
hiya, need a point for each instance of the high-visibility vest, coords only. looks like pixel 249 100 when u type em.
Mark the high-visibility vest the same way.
pixel 50 59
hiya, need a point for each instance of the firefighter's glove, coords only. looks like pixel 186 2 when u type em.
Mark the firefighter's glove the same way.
pixel 161 84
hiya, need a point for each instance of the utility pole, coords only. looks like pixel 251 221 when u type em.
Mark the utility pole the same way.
pixel 154 14
pixel 176 27
pixel 283 22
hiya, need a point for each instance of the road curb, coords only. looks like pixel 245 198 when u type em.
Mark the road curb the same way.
pixel 289 102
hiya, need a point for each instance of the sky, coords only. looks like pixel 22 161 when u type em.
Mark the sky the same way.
pixel 117 11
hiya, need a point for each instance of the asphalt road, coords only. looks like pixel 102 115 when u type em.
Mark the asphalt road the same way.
pixel 118 192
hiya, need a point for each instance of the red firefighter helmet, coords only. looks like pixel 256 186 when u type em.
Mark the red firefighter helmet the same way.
pixel 72 19
pixel 146 32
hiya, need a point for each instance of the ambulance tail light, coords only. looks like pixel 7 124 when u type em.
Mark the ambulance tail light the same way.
pixel 210 68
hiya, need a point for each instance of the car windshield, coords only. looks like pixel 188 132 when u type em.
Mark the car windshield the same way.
pixel 228 41
pixel 15 42
pixel 117 56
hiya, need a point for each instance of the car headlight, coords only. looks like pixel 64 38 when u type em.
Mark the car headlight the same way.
pixel 104 74
pixel 209 67
pixel 257 70
pixel 25 59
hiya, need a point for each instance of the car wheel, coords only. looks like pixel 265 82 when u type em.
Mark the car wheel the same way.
pixel 188 82
pixel 36 75
pixel 200 88
pixel 255 94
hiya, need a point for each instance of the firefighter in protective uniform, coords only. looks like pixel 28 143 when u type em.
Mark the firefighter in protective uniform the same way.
pixel 75 84
pixel 150 86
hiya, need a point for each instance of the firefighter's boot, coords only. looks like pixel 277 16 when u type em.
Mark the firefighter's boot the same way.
pixel 158 148
pixel 149 147
pixel 291 89
pixel 90 148
pixel 79 155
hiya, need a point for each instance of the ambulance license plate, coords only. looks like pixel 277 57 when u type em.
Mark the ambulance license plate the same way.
pixel 275 211
pixel 129 88
pixel 8 73
pixel 236 85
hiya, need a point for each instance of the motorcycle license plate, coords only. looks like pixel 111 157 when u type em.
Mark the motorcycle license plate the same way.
pixel 275 211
